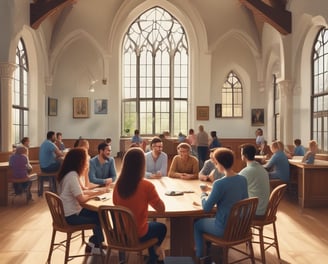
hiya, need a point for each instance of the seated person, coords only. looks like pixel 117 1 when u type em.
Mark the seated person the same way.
pixel 21 167
pixel 299 150
pixel 50 157
pixel 225 193
pixel 257 178
pixel 181 137
pixel 156 160
pixel 137 140
pixel 59 141
pixel 265 150
pixel 209 172
pixel 310 154
pixel 184 165
pixel 102 168
pixel 278 165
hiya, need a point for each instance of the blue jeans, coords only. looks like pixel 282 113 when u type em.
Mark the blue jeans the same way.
pixel 157 230
pixel 88 217
pixel 201 226
pixel 202 155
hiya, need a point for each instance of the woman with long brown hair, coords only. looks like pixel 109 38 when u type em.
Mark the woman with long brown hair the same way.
pixel 136 193
pixel 75 165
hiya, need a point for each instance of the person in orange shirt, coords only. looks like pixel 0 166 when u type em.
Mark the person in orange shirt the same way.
pixel 136 193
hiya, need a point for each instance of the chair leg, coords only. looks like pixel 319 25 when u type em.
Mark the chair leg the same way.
pixel 276 239
pixel 141 261
pixel 262 244
pixel 68 244
pixel 51 245
pixel 251 251
pixel 225 254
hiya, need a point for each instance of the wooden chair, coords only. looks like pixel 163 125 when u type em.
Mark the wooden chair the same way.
pixel 50 177
pixel 238 230
pixel 19 190
pixel 270 217
pixel 120 230
pixel 59 224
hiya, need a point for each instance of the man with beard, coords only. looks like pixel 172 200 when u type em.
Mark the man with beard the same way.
pixel 102 167
pixel 156 160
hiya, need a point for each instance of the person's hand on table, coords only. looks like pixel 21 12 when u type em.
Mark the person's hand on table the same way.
pixel 203 178
pixel 186 176
pixel 156 175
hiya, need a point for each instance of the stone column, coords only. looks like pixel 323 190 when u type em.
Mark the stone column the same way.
pixel 286 107
pixel 6 81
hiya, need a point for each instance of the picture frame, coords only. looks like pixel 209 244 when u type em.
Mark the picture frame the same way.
pixel 257 117
pixel 52 106
pixel 101 106
pixel 203 112
pixel 80 107
pixel 218 110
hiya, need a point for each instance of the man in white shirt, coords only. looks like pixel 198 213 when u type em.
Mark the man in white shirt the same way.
pixel 156 160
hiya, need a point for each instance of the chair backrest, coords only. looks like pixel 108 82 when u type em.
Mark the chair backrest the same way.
pixel 274 200
pixel 119 226
pixel 240 219
pixel 56 208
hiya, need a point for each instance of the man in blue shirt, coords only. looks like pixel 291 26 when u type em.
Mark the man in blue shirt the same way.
pixel 102 167
pixel 156 160
pixel 50 157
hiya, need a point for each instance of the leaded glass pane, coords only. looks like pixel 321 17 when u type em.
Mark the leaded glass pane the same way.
pixel 159 41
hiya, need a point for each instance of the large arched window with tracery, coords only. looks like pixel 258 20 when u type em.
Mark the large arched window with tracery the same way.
pixel 20 92
pixel 155 75
pixel 319 97
pixel 232 96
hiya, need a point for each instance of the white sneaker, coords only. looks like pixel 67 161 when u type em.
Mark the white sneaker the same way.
pixel 98 251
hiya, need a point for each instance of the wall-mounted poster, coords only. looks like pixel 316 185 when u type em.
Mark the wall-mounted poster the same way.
pixel 258 117
pixel 100 106
pixel 52 106
pixel 218 110
pixel 80 107
pixel 203 112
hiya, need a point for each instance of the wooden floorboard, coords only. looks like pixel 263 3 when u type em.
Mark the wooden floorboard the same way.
pixel 26 231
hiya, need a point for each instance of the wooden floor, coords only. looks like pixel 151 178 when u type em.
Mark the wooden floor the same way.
pixel 26 231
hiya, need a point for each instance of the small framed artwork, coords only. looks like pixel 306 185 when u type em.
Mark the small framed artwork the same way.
pixel 100 106
pixel 258 117
pixel 218 110
pixel 52 106
pixel 80 107
pixel 203 112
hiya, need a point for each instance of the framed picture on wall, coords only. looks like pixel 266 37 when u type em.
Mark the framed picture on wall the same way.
pixel 258 117
pixel 100 106
pixel 80 107
pixel 218 110
pixel 52 106
pixel 203 112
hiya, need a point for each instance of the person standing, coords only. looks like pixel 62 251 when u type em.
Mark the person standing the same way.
pixel 224 194
pixel 184 165
pixel 257 178
pixel 202 145
pixel 192 140
pixel 75 165
pixel 102 167
pixel 50 157
pixel 156 160
pixel 215 143
pixel 133 191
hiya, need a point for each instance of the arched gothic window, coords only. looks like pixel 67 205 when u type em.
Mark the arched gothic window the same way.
pixel 155 75
pixel 232 96
pixel 319 97
pixel 20 95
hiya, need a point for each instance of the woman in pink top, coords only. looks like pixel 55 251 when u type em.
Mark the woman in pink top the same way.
pixel 136 193
pixel 192 140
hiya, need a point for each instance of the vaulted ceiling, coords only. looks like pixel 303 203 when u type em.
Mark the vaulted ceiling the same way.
pixel 270 11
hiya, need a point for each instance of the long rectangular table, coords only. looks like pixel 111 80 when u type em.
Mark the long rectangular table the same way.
pixel 181 210
pixel 312 181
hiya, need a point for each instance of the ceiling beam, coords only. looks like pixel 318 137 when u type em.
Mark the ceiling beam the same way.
pixel 41 9
pixel 275 15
